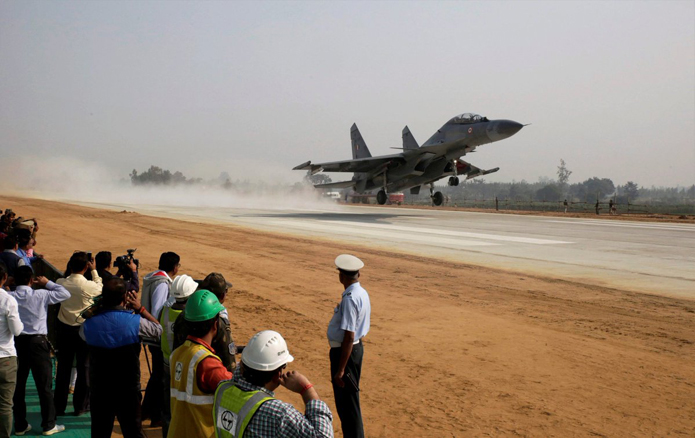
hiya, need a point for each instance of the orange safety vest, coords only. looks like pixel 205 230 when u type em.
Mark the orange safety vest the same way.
pixel 191 408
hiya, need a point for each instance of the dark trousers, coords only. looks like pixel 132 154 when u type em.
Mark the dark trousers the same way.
pixel 347 400
pixel 152 404
pixel 33 353
pixel 109 402
pixel 71 346
pixel 166 400
pixel 8 380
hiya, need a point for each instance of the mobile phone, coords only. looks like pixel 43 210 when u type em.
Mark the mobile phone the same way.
pixel 89 256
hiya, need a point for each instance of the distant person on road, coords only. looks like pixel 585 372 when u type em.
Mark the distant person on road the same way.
pixel 246 406
pixel 565 204
pixel 70 345
pixel 350 323
pixel 597 207
pixel 33 349
pixel 611 207
pixel 155 293
pixel 10 326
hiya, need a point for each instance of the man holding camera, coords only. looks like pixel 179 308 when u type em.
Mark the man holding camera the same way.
pixel 113 334
pixel 70 344
pixel 127 269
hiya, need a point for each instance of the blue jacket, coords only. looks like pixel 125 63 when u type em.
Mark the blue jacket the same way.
pixel 112 329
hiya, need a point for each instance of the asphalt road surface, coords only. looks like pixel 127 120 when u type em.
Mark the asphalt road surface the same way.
pixel 641 256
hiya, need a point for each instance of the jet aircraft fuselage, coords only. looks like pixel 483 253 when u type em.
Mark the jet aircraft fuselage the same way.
pixel 417 165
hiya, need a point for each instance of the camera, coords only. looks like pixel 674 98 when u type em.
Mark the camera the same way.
pixel 123 261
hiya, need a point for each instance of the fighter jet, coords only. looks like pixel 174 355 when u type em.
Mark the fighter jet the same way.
pixel 418 165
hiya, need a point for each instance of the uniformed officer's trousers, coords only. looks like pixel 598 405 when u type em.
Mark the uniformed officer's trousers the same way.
pixel 347 400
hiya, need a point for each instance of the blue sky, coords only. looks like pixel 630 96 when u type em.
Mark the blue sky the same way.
pixel 256 88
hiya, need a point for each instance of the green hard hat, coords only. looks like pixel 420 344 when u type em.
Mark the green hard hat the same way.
pixel 202 306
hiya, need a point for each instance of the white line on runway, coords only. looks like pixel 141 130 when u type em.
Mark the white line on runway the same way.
pixel 454 233
pixel 337 229
pixel 674 227
pixel 411 231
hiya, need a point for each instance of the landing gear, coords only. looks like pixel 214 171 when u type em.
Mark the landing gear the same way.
pixel 382 197
pixel 437 198
pixel 454 181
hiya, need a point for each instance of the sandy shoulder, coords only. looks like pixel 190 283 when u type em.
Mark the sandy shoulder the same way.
pixel 455 349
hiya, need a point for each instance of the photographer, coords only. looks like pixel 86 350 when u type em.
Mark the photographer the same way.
pixel 113 335
pixel 70 345
pixel 127 269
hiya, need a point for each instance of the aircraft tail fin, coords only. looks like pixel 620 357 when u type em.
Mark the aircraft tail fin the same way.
pixel 408 139
pixel 359 147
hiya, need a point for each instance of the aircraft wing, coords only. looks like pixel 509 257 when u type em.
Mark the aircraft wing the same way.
pixel 336 185
pixel 368 164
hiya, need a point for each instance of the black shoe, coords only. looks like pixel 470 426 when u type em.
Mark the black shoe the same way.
pixel 78 413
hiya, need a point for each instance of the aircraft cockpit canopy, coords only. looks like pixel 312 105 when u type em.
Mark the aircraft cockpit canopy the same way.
pixel 468 118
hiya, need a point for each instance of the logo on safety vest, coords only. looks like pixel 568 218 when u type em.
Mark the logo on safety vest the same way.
pixel 227 420
pixel 179 371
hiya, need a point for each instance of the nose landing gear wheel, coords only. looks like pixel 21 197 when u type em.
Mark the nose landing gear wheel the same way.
pixel 437 198
pixel 382 197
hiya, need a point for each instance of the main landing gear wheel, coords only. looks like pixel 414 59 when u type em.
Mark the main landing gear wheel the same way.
pixel 454 181
pixel 437 198
pixel 382 197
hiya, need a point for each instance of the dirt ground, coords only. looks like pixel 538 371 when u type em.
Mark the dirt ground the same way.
pixel 454 349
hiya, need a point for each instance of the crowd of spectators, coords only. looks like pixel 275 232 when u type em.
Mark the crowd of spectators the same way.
pixel 103 322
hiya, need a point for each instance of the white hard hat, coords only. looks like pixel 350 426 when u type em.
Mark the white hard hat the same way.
pixel 266 351
pixel 183 286
pixel 349 263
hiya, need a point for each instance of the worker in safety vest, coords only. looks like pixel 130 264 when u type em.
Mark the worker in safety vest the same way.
pixel 247 407
pixel 182 287
pixel 196 370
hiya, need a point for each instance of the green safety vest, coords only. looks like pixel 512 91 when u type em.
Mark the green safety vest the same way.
pixel 234 408
pixel 167 320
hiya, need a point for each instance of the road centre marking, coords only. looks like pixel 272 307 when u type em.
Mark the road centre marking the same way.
pixel 337 229
pixel 653 226
pixel 441 232
pixel 402 232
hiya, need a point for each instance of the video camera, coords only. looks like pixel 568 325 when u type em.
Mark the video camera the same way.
pixel 123 261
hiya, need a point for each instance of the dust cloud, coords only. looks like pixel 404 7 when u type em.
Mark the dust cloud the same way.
pixel 74 180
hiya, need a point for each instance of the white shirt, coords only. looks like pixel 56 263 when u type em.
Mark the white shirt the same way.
pixel 10 324
pixel 82 293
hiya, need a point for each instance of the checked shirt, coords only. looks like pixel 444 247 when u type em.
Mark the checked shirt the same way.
pixel 276 418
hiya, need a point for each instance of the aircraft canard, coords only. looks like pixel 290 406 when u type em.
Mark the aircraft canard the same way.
pixel 436 158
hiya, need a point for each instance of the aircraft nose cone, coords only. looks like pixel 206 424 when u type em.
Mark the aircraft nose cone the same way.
pixel 502 129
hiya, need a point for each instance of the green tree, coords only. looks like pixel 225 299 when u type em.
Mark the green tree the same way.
pixel 319 178
pixel 631 190
pixel 551 192
pixel 563 174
